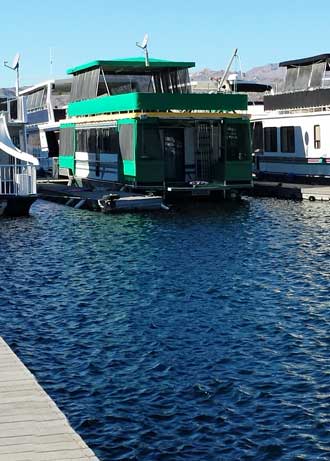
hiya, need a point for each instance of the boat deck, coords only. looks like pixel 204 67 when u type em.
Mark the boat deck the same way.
pixel 84 198
pixel 32 428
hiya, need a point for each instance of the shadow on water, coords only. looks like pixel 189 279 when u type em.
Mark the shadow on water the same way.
pixel 201 333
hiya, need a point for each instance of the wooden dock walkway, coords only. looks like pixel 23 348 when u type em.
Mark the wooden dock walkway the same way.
pixel 32 428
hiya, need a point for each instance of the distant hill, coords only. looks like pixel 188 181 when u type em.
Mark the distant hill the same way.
pixel 7 93
pixel 270 74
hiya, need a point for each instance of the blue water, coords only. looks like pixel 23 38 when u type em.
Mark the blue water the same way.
pixel 190 335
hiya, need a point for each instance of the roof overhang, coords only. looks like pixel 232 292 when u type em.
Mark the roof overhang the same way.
pixel 306 61
pixel 131 65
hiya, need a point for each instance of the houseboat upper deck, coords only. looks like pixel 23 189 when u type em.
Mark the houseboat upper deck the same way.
pixel 137 124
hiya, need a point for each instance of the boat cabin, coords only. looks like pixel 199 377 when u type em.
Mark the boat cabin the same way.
pixel 44 105
pixel 138 124
pixel 292 137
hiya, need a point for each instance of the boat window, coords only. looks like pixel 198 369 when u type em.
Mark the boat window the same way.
pixel 317 137
pixel 36 100
pixel 318 70
pixel 290 79
pixel 33 143
pixel 92 138
pixel 12 109
pixel 101 140
pixel 287 139
pixel 238 141
pixel 167 81
pixel 81 140
pixel 126 141
pixel 151 144
pixel 304 75
pixel 121 84
pixel 257 137
pixel 108 140
pixel 84 85
pixel 270 139
pixel 67 144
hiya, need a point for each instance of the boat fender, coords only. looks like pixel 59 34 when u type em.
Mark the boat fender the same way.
pixel 311 198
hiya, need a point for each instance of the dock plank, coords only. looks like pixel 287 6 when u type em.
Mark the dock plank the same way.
pixel 32 428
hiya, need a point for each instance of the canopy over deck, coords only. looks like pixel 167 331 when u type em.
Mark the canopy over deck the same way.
pixel 306 61
pixel 131 65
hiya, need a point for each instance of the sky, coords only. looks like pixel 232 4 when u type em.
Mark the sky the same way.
pixel 205 32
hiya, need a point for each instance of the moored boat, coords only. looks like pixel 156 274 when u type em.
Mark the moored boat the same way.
pixel 17 176
pixel 136 124
pixel 290 138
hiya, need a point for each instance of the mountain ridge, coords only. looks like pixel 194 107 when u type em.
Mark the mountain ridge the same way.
pixel 271 74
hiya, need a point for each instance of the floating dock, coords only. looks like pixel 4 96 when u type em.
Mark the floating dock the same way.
pixel 32 428
pixel 93 200
pixel 291 191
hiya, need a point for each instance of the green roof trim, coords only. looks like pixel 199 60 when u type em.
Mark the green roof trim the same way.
pixel 127 64
pixel 158 102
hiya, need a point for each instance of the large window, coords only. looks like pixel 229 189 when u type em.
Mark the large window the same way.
pixel 287 139
pixel 101 140
pixel 317 137
pixel 270 139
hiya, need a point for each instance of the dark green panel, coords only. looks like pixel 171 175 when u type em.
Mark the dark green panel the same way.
pixel 149 154
pixel 238 171
pixel 150 171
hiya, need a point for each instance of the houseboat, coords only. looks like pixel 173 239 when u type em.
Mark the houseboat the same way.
pixel 17 176
pixel 291 137
pixel 135 124
pixel 41 108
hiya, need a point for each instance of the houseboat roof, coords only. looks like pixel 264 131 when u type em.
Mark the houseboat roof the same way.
pixel 131 65
pixel 306 61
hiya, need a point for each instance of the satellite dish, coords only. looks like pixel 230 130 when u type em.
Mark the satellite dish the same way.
pixel 15 66
pixel 144 46
pixel 15 63
pixel 144 42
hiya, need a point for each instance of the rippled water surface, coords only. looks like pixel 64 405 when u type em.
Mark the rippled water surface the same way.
pixel 190 335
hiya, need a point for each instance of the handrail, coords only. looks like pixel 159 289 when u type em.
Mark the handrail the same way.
pixel 18 179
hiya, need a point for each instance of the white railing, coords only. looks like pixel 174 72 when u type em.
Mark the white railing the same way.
pixel 18 179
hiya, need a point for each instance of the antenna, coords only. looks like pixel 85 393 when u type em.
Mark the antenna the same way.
pixel 144 46
pixel 15 66
pixel 221 82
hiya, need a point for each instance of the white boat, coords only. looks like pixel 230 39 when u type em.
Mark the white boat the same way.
pixel 42 107
pixel 18 188
pixel 291 137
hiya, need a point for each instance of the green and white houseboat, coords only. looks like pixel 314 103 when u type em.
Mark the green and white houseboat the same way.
pixel 137 124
